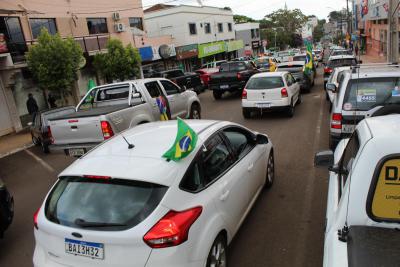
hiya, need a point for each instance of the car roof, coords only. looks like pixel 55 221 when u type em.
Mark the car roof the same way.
pixel 144 162
pixel 342 57
pixel 289 63
pixel 269 74
pixel 376 71
pixel 387 127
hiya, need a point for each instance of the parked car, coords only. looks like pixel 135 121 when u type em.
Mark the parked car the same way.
pixel 338 61
pixel 6 208
pixel 213 64
pixel 130 207
pixel 39 127
pixel 340 52
pixel 283 56
pixel 232 77
pixel 205 74
pixel 362 214
pixel 296 68
pixel 190 80
pixel 336 78
pixel 271 91
pixel 362 91
pixel 113 108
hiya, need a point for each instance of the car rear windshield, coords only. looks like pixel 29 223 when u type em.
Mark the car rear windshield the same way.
pixel 265 83
pixel 365 94
pixel 173 74
pixel 341 53
pixel 102 204
pixel 235 66
pixel 299 58
pixel 342 62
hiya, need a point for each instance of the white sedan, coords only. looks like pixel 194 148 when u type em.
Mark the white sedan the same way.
pixel 125 205
pixel 271 91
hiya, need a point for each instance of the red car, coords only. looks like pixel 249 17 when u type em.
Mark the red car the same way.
pixel 205 74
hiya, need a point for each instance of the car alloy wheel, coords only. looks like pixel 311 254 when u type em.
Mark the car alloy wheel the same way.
pixel 270 171
pixel 217 255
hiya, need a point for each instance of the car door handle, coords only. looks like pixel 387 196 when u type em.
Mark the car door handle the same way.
pixel 224 196
pixel 250 168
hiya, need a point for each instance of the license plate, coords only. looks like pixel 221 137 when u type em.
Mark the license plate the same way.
pixel 347 128
pixel 85 249
pixel 263 105
pixel 225 86
pixel 76 152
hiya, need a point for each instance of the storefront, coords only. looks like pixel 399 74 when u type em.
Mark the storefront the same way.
pixel 232 47
pixel 187 55
pixel 256 47
pixel 211 51
pixel 163 57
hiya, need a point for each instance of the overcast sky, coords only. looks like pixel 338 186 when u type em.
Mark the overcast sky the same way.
pixel 257 9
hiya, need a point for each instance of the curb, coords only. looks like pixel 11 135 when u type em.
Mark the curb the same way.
pixel 16 150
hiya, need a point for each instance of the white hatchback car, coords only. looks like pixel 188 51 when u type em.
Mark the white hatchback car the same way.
pixel 128 206
pixel 271 91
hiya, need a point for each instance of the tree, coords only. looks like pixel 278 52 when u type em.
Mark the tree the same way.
pixel 119 63
pixel 242 19
pixel 54 63
pixel 318 32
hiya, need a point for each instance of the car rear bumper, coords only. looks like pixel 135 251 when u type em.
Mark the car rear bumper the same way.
pixel 274 104
pixel 66 147
pixel 230 87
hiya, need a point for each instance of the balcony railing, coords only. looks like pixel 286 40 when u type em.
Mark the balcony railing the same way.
pixel 93 44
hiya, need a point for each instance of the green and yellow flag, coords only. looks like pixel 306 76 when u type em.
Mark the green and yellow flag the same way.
pixel 184 144
pixel 309 59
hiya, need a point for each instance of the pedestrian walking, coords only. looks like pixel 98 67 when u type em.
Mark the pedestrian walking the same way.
pixel 52 101
pixel 32 106
pixel 356 50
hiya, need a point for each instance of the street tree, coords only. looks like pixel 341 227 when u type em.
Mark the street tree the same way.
pixel 54 63
pixel 119 63
pixel 242 19
pixel 318 32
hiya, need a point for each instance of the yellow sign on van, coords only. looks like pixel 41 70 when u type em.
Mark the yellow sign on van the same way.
pixel 386 200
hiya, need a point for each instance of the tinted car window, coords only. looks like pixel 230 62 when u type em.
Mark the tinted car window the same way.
pixel 173 74
pixel 265 83
pixel 365 94
pixel 347 160
pixel 76 201
pixel 193 180
pixel 113 93
pixel 299 58
pixel 154 89
pixel 216 159
pixel 170 88
pixel 236 66
pixel 342 62
pixel 241 142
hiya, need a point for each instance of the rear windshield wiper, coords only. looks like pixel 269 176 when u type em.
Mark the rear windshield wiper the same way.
pixel 83 223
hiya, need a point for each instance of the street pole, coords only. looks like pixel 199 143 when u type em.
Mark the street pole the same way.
pixel 275 38
pixel 348 17
pixel 393 36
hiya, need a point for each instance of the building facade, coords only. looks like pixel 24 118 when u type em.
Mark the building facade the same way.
pixel 91 23
pixel 200 33
pixel 250 34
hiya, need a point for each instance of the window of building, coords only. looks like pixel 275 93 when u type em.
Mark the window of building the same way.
pixel 192 28
pixel 257 33
pixel 136 23
pixel 229 26
pixel 220 27
pixel 10 28
pixel 253 33
pixel 207 27
pixel 97 25
pixel 38 24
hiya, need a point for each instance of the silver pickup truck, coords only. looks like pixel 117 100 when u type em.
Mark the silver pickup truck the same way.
pixel 110 109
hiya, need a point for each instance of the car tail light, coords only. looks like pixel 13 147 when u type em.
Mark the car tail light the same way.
pixel 100 177
pixel 244 94
pixel 35 218
pixel 73 121
pixel 284 92
pixel 172 229
pixel 49 135
pixel 207 78
pixel 328 70
pixel 107 130
pixel 336 122
pixel 239 76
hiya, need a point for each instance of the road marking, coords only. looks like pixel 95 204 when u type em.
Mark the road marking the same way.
pixel 16 150
pixel 42 162
pixel 309 193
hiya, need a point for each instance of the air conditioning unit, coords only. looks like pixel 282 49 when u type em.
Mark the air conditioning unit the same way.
pixel 115 16
pixel 119 27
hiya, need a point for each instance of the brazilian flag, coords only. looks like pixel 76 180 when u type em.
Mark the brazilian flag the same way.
pixel 309 59
pixel 184 144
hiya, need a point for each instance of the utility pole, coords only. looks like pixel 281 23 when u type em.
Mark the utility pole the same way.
pixel 348 17
pixel 393 36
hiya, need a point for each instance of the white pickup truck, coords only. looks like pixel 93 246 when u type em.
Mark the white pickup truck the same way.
pixel 363 210
pixel 112 108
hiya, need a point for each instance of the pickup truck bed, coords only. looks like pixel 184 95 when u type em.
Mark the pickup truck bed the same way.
pixel 373 246
pixel 93 112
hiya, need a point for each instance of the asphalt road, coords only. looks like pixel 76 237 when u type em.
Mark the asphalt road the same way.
pixel 284 228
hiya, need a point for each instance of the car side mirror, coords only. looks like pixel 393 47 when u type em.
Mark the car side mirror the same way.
pixel 324 159
pixel 30 123
pixel 261 139
pixel 331 87
pixel 136 95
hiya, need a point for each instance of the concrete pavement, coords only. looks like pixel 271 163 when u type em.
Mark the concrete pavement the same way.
pixel 13 143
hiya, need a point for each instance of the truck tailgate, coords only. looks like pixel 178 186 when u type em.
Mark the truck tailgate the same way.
pixel 76 131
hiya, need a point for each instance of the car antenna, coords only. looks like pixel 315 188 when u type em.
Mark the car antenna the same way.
pixel 130 146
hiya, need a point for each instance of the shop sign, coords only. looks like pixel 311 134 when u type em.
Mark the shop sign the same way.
pixel 255 44
pixel 163 51
pixel 186 51
pixel 146 53
pixel 210 49
pixel 234 45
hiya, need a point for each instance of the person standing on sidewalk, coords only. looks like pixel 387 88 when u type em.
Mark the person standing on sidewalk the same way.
pixel 32 106
pixel 356 50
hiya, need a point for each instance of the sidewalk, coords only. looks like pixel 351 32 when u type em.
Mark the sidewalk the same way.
pixel 372 59
pixel 12 143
